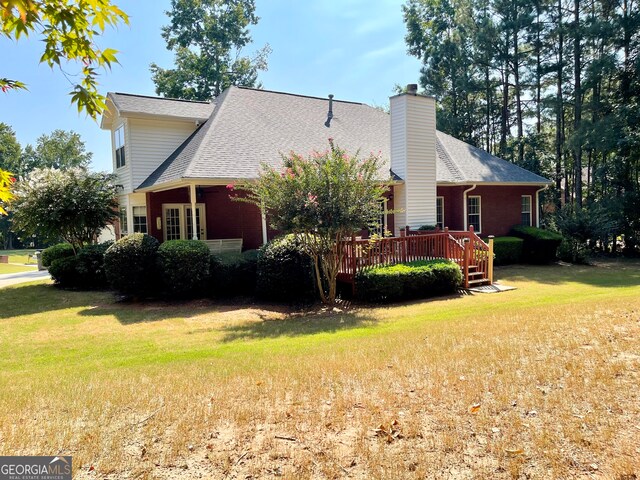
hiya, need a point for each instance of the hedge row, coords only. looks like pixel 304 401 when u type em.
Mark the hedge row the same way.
pixel 539 246
pixel 507 250
pixel 421 279
pixel 139 266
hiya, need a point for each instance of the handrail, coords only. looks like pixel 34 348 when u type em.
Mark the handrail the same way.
pixel 467 249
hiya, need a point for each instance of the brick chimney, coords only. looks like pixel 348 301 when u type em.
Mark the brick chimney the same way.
pixel 413 158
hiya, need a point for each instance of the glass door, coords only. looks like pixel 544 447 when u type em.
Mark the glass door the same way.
pixel 172 224
pixel 200 222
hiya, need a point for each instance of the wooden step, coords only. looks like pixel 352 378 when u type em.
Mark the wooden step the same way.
pixel 475 274
pixel 478 280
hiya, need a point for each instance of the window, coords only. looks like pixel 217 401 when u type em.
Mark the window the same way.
pixel 473 212
pixel 124 230
pixel 118 138
pixel 525 211
pixel 440 212
pixel 140 219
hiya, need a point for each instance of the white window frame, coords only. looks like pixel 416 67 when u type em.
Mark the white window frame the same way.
pixel 119 134
pixel 530 212
pixel 123 219
pixel 440 224
pixel 133 218
pixel 183 220
pixel 469 197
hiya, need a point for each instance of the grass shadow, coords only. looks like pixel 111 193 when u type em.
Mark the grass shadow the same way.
pixel 129 312
pixel 603 273
pixel 297 325
pixel 30 299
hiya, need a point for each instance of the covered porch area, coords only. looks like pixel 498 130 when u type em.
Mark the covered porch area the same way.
pixel 206 212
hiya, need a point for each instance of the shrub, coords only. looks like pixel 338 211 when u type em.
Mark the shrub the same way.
pixel 507 250
pixel 184 266
pixel 130 264
pixel 233 274
pixel 539 246
pixel 285 273
pixel 61 250
pixel 573 252
pixel 64 272
pixel 427 228
pixel 84 271
pixel 420 279
pixel 584 230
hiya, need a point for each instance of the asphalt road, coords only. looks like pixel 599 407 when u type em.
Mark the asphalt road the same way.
pixel 22 277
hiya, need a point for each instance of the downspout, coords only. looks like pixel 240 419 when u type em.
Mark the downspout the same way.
pixel 538 206
pixel 263 218
pixel 464 205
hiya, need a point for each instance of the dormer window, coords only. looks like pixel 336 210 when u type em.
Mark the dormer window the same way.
pixel 119 146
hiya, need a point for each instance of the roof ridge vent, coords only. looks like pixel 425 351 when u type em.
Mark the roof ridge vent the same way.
pixel 330 112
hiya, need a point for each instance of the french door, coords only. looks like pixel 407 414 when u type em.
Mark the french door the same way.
pixel 178 223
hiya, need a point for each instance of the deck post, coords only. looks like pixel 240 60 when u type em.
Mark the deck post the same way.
pixel 465 261
pixel 490 259
pixel 354 264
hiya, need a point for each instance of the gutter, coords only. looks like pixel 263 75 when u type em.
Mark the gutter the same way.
pixel 464 204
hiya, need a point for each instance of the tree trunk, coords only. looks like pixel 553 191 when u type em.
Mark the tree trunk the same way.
pixel 559 105
pixel 577 118
pixel 504 117
pixel 516 81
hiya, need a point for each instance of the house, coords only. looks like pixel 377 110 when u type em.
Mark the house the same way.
pixel 174 159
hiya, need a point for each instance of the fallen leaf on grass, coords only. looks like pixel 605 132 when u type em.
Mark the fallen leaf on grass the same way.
pixel 390 433
pixel 513 451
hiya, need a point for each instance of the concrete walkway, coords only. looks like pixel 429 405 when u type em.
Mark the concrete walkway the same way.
pixel 22 277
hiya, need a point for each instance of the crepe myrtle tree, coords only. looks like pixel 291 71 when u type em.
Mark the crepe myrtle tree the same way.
pixel 322 198
pixel 72 204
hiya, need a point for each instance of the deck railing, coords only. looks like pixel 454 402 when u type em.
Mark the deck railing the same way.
pixel 470 252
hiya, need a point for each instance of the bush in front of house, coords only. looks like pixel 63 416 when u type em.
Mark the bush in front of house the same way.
pixel 285 272
pixel 64 272
pixel 130 264
pixel 233 274
pixel 539 246
pixel 84 271
pixel 427 228
pixel 54 252
pixel 507 250
pixel 406 281
pixel 184 266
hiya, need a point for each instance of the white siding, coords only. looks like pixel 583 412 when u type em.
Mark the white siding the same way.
pixel 413 158
pixel 151 142
pixel 124 173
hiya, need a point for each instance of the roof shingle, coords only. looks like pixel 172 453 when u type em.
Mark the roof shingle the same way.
pixel 251 127
pixel 127 103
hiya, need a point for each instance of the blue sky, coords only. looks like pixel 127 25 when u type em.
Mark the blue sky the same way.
pixel 352 48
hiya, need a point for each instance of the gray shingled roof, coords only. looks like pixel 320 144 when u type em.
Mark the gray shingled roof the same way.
pixel 249 127
pixel 459 162
pixel 142 105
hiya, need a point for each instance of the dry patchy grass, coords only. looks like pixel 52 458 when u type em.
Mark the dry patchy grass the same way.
pixel 541 382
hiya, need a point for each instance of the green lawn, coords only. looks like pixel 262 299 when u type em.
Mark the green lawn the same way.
pixel 19 261
pixel 183 390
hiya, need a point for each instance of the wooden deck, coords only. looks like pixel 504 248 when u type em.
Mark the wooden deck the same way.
pixel 470 252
